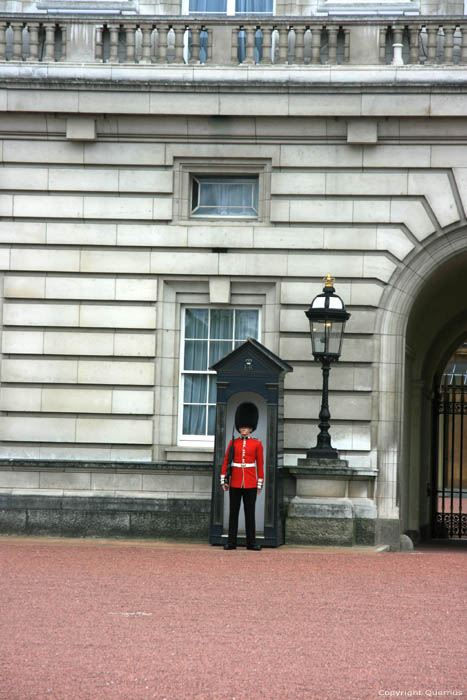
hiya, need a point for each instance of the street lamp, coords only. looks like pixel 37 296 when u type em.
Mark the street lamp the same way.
pixel 327 316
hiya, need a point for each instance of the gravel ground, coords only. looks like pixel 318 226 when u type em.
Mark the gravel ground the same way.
pixel 112 620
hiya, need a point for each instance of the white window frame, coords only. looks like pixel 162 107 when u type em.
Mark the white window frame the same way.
pixel 218 178
pixel 201 440
pixel 230 10
pixel 186 169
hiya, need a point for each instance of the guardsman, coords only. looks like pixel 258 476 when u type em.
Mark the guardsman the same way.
pixel 247 476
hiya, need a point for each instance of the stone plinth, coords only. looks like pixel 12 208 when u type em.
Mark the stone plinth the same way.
pixel 333 504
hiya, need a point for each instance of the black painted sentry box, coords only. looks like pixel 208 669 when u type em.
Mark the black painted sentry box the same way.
pixel 253 373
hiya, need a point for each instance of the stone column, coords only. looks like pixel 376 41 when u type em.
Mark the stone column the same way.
pixel 195 44
pixel 283 43
pixel 130 43
pixel 414 34
pixel 179 30
pixel 99 44
pixel 432 41
pixel 332 44
pixel 114 30
pixel 383 32
pixel 299 53
pixel 316 44
pixel 3 26
pixel 146 30
pixel 49 41
pixel 397 45
pixel 250 32
pixel 448 43
pixel 17 28
pixel 267 45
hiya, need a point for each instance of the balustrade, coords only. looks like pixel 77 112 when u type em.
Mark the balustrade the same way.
pixel 423 42
pixel 264 41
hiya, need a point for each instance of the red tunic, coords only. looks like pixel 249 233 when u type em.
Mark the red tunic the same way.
pixel 247 465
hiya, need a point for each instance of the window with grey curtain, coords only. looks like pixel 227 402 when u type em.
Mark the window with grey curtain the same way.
pixel 210 334
pixel 224 196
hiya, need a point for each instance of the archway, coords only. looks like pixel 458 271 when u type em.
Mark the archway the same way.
pixel 423 320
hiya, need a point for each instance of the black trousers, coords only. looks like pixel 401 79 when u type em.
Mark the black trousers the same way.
pixel 249 503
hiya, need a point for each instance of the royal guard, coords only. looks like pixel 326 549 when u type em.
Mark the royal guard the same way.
pixel 243 462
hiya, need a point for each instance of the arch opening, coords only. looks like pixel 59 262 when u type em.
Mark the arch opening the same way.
pixel 430 483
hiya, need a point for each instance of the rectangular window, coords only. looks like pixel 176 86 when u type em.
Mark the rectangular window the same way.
pixel 231 7
pixel 224 196
pixel 208 335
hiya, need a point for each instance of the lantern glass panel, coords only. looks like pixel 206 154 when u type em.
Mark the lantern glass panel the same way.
pixel 334 337
pixel 318 337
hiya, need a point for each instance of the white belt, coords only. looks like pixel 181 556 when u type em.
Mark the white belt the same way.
pixel 238 464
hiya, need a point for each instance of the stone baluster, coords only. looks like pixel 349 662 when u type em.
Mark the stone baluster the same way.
pixel 146 31
pixel 162 32
pixel 397 59
pixel 3 26
pixel 432 41
pixel 130 30
pixel 208 31
pixel 448 43
pixel 234 51
pixel 49 41
pixel 316 44
pixel 383 31
pixel 114 30
pixel 414 42
pixel 299 53
pixel 99 43
pixel 463 57
pixel 283 44
pixel 195 44
pixel 33 29
pixel 179 31
pixel 332 44
pixel 63 44
pixel 17 28
pixel 267 45
pixel 346 44
pixel 250 32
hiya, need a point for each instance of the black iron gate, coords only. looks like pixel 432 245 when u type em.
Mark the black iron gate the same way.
pixel 450 460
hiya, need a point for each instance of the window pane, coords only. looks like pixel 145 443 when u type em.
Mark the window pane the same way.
pixel 222 323
pixel 208 6
pixel 211 420
pixel 226 196
pixel 196 355
pixel 195 388
pixel 196 323
pixel 194 420
pixel 246 324
pixel 217 349
pixel 253 6
pixel 212 389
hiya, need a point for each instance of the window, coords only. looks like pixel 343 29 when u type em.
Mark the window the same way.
pixel 208 335
pixel 231 7
pixel 229 196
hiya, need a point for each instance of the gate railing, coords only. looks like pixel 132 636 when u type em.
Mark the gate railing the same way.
pixel 264 40
pixel 450 493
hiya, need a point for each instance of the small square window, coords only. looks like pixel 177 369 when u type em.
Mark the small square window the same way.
pixel 224 196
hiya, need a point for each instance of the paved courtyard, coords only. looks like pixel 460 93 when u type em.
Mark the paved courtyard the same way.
pixel 119 620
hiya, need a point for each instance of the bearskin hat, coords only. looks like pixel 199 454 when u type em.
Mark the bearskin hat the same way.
pixel 246 416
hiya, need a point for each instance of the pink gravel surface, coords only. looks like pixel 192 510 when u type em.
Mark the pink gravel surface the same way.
pixel 98 620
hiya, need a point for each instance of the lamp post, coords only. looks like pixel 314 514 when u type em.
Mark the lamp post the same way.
pixel 327 315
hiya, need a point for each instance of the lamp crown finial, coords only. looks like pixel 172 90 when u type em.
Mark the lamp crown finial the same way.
pixel 329 281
